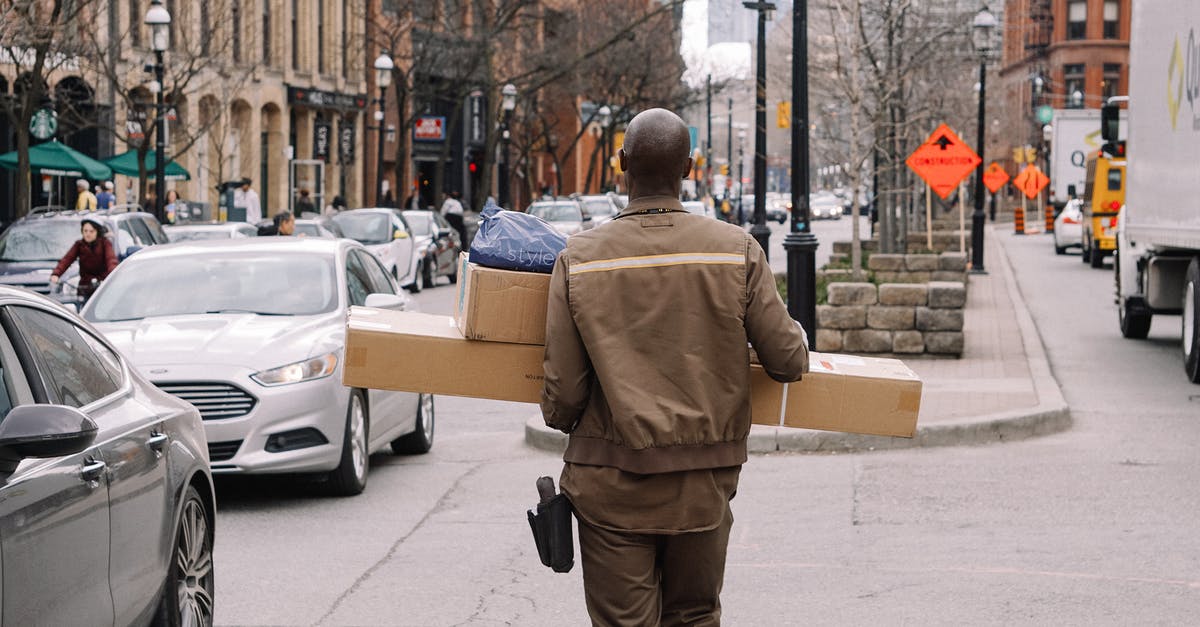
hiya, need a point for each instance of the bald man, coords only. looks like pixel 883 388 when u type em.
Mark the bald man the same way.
pixel 647 368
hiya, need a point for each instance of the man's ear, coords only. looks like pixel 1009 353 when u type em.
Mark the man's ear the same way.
pixel 623 160
pixel 687 170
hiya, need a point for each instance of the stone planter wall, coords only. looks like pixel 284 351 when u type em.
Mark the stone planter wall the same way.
pixel 911 268
pixel 901 318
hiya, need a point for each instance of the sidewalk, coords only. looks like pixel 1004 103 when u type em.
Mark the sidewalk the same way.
pixel 1000 389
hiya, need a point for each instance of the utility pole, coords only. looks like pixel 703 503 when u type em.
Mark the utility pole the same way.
pixel 708 144
pixel 801 244
pixel 729 152
pixel 760 231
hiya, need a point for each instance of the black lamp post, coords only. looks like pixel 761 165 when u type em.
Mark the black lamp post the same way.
pixel 508 101
pixel 801 244
pixel 383 78
pixel 741 177
pixel 982 27
pixel 159 21
pixel 760 232
pixel 605 121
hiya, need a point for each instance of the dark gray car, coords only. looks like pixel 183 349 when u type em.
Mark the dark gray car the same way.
pixel 106 501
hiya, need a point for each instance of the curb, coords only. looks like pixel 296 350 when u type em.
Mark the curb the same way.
pixel 1050 415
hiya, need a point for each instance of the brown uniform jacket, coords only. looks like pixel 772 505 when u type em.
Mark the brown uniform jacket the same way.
pixel 647 362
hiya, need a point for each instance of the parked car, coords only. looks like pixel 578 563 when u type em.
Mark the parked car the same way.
pixel 599 208
pixel 318 227
pixel 825 205
pixel 1068 227
pixel 214 230
pixel 252 333
pixel 779 207
pixel 698 208
pixel 384 233
pixel 565 216
pixel 439 241
pixel 32 246
pixel 106 501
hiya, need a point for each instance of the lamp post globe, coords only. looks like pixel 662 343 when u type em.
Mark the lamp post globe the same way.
pixel 383 78
pixel 982 27
pixel 383 70
pixel 508 102
pixel 159 21
pixel 605 114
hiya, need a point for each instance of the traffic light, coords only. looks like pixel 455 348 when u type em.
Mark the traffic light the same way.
pixel 474 161
pixel 783 115
pixel 1114 149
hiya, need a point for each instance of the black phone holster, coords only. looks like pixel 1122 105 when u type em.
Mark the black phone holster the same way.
pixel 552 533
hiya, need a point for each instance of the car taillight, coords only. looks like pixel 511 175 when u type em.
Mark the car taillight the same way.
pixel 1114 205
pixel 1112 223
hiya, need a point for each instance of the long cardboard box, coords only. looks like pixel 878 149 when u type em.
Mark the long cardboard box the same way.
pixel 417 352
pixel 501 305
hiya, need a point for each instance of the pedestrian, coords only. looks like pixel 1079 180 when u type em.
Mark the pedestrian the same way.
pixel 95 255
pixel 106 198
pixel 86 200
pixel 283 223
pixel 452 210
pixel 653 385
pixel 304 204
pixel 171 208
pixel 338 205
pixel 246 197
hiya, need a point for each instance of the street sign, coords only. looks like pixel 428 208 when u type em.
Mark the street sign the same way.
pixel 994 177
pixel 429 128
pixel 943 161
pixel 43 124
pixel 1031 181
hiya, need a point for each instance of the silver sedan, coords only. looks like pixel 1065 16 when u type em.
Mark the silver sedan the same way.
pixel 252 333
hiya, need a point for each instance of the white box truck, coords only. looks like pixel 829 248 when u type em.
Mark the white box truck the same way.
pixel 1076 134
pixel 1158 239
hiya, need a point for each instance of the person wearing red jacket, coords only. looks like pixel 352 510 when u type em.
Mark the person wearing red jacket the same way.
pixel 95 255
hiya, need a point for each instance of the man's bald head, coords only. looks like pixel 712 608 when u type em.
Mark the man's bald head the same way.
pixel 656 154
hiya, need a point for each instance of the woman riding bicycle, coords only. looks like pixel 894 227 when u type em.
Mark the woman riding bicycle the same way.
pixel 96 258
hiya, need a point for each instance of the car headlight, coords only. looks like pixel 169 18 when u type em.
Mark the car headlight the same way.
pixel 307 370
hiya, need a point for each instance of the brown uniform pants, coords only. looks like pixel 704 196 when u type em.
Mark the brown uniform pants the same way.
pixel 644 580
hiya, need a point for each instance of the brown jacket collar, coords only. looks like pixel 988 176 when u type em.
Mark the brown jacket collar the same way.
pixel 646 203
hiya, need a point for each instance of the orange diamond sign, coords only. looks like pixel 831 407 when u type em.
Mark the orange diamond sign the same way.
pixel 995 177
pixel 943 161
pixel 1031 181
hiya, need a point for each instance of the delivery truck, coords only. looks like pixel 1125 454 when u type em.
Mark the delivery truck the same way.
pixel 1076 134
pixel 1157 263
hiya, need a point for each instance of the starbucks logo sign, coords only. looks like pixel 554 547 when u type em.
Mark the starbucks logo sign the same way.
pixel 44 124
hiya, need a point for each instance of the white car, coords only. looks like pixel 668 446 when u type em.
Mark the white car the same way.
pixel 219 230
pixel 252 333
pixel 1068 227
pixel 600 208
pixel 698 208
pixel 564 215
pixel 825 206
pixel 384 233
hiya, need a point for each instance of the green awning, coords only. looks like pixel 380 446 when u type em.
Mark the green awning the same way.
pixel 59 160
pixel 126 164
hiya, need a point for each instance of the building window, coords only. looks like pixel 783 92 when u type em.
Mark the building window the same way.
pixel 1112 80
pixel 391 6
pixel 1073 79
pixel 426 11
pixel 1112 11
pixel 1077 19
pixel 345 39
pixel 236 25
pixel 266 32
pixel 321 36
pixel 135 23
pixel 295 34
pixel 205 29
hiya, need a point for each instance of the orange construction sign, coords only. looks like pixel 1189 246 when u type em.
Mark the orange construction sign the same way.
pixel 994 177
pixel 943 161
pixel 1031 181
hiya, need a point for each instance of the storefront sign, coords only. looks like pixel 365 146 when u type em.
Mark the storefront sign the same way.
pixel 429 128
pixel 320 99
pixel 135 124
pixel 476 134
pixel 346 142
pixel 321 138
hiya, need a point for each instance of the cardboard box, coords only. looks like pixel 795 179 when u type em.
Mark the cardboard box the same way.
pixel 501 305
pixel 415 352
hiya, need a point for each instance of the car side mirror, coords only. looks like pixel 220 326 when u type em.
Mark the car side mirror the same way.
pixel 587 218
pixel 132 249
pixel 387 301
pixel 44 431
pixel 398 234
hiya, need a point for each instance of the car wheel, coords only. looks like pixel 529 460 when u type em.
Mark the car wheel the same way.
pixel 1191 321
pixel 188 595
pixel 453 276
pixel 1085 248
pixel 1096 258
pixel 418 283
pixel 427 274
pixel 421 439
pixel 350 477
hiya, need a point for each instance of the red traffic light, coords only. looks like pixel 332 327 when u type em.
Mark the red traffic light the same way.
pixel 472 167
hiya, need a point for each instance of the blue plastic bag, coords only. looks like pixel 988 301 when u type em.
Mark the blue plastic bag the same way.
pixel 515 241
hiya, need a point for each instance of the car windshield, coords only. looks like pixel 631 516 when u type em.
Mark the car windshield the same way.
pixel 419 223
pixel 557 212
pixel 38 240
pixel 598 207
pixel 366 228
pixel 183 234
pixel 824 198
pixel 308 229
pixel 272 284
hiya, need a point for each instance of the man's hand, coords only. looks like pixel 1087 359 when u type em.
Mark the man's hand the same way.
pixel 53 279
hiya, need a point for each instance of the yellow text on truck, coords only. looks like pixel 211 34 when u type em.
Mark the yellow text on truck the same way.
pixel 1104 193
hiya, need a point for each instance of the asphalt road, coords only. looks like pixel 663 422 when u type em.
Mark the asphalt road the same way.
pixel 1094 526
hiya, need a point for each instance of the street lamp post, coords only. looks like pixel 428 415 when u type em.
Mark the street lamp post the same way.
pixel 508 101
pixel 383 78
pixel 760 232
pixel 800 243
pixel 982 27
pixel 605 120
pixel 741 211
pixel 159 21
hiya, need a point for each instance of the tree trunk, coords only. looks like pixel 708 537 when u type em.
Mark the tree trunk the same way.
pixel 439 172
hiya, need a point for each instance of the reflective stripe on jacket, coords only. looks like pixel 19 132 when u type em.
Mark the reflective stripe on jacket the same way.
pixel 647 362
